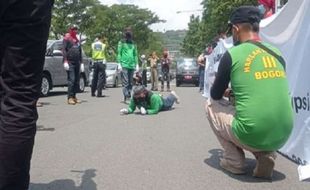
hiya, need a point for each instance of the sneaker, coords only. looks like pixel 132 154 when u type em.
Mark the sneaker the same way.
pixel 264 165
pixel 71 101
pixel 176 96
pixel 228 167
pixel 77 101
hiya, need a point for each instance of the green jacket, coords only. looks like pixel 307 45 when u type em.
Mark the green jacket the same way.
pixel 127 55
pixel 154 105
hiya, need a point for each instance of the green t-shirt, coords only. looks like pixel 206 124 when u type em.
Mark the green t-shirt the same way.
pixel 264 117
pixel 127 55
pixel 154 104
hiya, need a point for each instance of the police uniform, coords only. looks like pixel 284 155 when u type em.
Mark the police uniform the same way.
pixel 99 61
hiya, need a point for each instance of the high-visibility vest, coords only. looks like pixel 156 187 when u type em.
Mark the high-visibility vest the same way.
pixel 98 51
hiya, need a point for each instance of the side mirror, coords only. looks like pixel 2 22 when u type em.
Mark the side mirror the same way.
pixel 57 53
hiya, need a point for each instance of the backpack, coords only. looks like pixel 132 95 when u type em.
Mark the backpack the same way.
pixel 74 53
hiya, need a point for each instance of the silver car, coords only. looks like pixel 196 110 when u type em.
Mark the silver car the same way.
pixel 54 74
pixel 113 71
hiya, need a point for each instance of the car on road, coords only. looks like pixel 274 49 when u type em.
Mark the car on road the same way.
pixel 113 71
pixel 187 72
pixel 54 74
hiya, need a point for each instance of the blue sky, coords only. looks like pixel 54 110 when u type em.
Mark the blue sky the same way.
pixel 166 10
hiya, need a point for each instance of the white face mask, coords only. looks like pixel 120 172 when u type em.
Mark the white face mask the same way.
pixel 262 9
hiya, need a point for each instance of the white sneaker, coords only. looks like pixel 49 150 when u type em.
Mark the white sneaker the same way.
pixel 176 96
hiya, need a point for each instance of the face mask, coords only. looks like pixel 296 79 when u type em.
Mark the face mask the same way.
pixel 236 40
pixel 236 43
pixel 262 9
pixel 128 36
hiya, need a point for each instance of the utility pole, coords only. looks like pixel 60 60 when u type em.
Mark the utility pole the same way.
pixel 189 11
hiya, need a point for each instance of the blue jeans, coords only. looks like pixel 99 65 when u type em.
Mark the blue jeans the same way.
pixel 127 78
pixel 168 102
pixel 201 78
pixel 73 79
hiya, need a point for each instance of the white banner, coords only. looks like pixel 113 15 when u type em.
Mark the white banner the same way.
pixel 289 30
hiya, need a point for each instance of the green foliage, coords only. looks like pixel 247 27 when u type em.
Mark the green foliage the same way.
pixel 214 20
pixel 94 19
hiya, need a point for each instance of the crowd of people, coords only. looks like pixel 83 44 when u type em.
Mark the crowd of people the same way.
pixel 252 73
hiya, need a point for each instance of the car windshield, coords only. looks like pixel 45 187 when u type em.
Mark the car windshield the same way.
pixel 49 43
pixel 111 66
pixel 187 63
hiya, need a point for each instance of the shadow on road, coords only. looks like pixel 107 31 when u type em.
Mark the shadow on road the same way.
pixel 56 93
pixel 216 154
pixel 68 184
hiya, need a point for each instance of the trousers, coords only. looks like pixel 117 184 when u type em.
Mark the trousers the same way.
pixel 24 27
pixel 99 78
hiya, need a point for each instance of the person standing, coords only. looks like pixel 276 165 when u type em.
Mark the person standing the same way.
pixel 127 56
pixel 24 28
pixel 256 72
pixel 266 7
pixel 144 70
pixel 165 70
pixel 72 54
pixel 202 63
pixel 99 64
pixel 154 73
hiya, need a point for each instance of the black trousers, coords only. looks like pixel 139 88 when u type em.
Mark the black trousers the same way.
pixel 73 79
pixel 144 78
pixel 99 78
pixel 24 27
pixel 165 77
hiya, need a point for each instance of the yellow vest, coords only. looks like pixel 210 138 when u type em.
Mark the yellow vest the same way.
pixel 98 51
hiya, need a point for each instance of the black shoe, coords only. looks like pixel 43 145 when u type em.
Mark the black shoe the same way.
pixel 93 95
pixel 100 96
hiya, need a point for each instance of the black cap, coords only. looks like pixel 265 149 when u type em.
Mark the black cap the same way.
pixel 139 89
pixel 245 14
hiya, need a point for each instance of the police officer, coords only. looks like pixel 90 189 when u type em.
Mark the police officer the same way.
pixel 99 61
pixel 24 27
pixel 256 72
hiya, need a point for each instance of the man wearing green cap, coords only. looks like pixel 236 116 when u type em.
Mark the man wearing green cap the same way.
pixel 261 118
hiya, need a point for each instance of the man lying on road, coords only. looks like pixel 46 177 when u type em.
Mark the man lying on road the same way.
pixel 149 102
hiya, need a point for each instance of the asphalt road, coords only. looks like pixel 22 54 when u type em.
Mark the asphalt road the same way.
pixel 91 146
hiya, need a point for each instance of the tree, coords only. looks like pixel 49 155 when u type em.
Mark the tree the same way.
pixel 192 41
pixel 69 12
pixel 214 20
pixel 94 19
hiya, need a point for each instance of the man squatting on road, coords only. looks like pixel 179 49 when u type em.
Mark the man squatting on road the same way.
pixel 257 75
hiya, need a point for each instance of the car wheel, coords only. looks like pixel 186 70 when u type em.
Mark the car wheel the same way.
pixel 45 85
pixel 197 84
pixel 178 83
pixel 115 83
pixel 82 83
